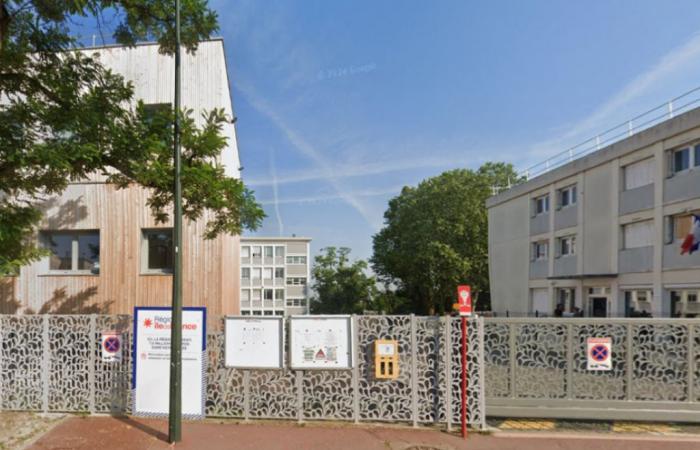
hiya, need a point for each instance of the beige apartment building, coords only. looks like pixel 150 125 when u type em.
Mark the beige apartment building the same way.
pixel 275 273
pixel 602 233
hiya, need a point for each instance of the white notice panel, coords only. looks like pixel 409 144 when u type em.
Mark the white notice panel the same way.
pixel 254 342
pixel 321 342
pixel 151 365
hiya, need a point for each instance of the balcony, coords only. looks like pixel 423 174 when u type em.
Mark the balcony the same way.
pixel 565 266
pixel 674 260
pixel 539 224
pixel 682 186
pixel 634 260
pixel 566 217
pixel 637 199
pixel 539 269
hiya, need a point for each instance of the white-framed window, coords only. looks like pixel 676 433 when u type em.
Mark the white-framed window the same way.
pixel 257 313
pixel 279 272
pixel 256 294
pixel 279 294
pixel 157 250
pixel 567 245
pixel 541 204
pixel 245 273
pixel 245 295
pixel 296 259
pixel 267 313
pixel 245 251
pixel 269 251
pixel 296 281
pixel 257 251
pixel 279 251
pixel 683 302
pixel 638 174
pixel 567 196
pixel 279 313
pixel 268 294
pixel 540 249
pixel 257 273
pixel 638 234
pixel 567 298
pixel 72 251
pixel 245 313
pixel 684 158
pixel 296 302
pixel 267 273
pixel 677 228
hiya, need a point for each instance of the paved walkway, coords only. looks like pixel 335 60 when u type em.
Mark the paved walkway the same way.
pixel 106 433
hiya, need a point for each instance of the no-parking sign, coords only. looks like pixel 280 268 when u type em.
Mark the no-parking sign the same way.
pixel 599 354
pixel 111 347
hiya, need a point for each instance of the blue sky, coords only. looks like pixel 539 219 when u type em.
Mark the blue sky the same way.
pixel 342 103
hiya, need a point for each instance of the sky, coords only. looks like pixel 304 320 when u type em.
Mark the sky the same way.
pixel 340 104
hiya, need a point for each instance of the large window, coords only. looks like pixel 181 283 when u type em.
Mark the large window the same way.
pixel 296 259
pixel 279 294
pixel 677 227
pixel 567 246
pixel 269 251
pixel 638 234
pixel 279 272
pixel 73 251
pixel 296 281
pixel 245 273
pixel 540 250
pixel 245 251
pixel 157 248
pixel 683 159
pixel 639 174
pixel 279 251
pixel 541 205
pixel 296 302
pixel 567 196
pixel 257 273
pixel 257 251
pixel 267 273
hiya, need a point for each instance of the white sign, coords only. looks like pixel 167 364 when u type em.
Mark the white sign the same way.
pixel 321 342
pixel 111 347
pixel 599 354
pixel 254 343
pixel 151 377
pixel 386 349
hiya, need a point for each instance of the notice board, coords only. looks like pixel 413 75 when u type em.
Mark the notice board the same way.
pixel 321 342
pixel 151 361
pixel 254 342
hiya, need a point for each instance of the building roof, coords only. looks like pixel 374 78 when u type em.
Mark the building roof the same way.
pixel 664 130
pixel 274 239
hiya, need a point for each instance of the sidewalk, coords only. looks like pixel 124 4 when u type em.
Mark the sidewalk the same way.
pixel 106 433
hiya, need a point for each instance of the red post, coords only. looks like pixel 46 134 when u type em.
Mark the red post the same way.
pixel 464 377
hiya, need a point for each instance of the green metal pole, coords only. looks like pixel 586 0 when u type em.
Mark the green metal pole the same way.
pixel 175 417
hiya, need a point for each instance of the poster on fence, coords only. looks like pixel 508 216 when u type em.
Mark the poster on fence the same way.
pixel 254 342
pixel 599 352
pixel 321 342
pixel 151 361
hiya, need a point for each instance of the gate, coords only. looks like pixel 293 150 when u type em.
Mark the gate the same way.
pixel 53 363
pixel 537 368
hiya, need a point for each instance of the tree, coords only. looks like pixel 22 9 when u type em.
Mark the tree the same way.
pixel 63 116
pixel 435 237
pixel 341 286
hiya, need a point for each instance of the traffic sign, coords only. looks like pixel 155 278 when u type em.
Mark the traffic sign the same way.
pixel 111 347
pixel 464 300
pixel 599 354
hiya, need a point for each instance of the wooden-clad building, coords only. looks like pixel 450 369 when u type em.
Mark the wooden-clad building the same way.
pixel 108 252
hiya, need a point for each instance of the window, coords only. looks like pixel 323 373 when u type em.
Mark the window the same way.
pixel 696 155
pixel 245 295
pixel 267 273
pixel 279 251
pixel 540 250
pixel 268 294
pixel 680 300
pixel 677 227
pixel 268 251
pixel 257 313
pixel 638 234
pixel 158 250
pixel 245 313
pixel 567 246
pixel 257 251
pixel 639 174
pixel 296 281
pixel 279 272
pixel 245 251
pixel 541 204
pixel 296 302
pixel 256 294
pixel 279 313
pixel 245 273
pixel 683 159
pixel 73 251
pixel 540 301
pixel 257 273
pixel 296 259
pixel 279 294
pixel 567 196
pixel 267 313
pixel 566 297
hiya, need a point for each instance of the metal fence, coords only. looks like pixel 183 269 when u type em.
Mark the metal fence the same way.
pixel 53 363
pixel 537 368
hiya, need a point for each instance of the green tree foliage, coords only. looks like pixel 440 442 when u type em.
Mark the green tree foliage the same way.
pixel 435 237
pixel 64 116
pixel 341 286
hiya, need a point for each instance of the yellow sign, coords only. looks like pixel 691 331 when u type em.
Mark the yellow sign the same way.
pixel 386 359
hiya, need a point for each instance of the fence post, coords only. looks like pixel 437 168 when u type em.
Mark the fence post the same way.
pixel 691 362
pixel 299 381
pixel 570 361
pixel 356 370
pixel 45 363
pixel 513 350
pixel 414 372
pixel 246 395
pixel 2 384
pixel 630 361
pixel 91 362
pixel 448 371
pixel 482 368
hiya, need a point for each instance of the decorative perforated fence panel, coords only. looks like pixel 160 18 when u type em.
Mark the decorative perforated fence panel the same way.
pixel 537 368
pixel 54 363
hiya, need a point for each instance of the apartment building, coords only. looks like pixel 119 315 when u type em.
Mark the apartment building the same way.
pixel 107 252
pixel 602 233
pixel 275 275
